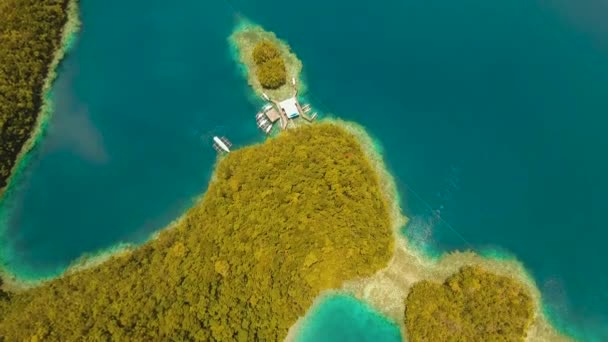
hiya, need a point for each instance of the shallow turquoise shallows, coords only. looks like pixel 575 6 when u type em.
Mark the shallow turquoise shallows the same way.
pixel 492 116
pixel 344 318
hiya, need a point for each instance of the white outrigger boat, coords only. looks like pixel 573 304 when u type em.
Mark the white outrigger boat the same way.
pixel 221 144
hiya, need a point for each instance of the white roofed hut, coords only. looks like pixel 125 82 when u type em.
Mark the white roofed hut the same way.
pixel 290 108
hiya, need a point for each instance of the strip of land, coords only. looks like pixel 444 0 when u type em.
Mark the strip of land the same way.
pixel 33 33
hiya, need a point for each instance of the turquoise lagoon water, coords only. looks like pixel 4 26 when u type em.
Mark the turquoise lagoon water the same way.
pixel 344 318
pixel 491 115
pixel 127 150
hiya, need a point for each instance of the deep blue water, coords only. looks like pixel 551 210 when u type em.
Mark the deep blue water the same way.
pixel 492 117
pixel 344 318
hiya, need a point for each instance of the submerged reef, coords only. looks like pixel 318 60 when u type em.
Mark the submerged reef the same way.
pixel 280 223
pixel 33 34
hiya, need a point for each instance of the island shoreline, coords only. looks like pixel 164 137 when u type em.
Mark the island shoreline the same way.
pixel 241 43
pixel 45 107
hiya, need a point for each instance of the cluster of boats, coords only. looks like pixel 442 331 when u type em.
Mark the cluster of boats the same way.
pixel 290 109
pixel 266 118
pixel 263 121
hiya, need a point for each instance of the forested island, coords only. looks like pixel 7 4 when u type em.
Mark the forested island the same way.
pixel 280 222
pixel 268 63
pixel 471 305
pixel 31 33
pixel 310 210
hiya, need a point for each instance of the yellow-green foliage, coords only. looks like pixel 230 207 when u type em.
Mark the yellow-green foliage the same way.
pixel 30 32
pixel 471 305
pixel 245 38
pixel 272 74
pixel 271 71
pixel 279 223
pixel 264 51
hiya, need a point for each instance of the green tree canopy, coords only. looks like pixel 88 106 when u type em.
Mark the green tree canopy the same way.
pixel 30 33
pixel 471 305
pixel 264 51
pixel 270 66
pixel 272 74
pixel 279 223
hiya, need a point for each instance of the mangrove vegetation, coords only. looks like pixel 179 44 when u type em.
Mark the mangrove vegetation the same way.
pixel 280 222
pixel 30 34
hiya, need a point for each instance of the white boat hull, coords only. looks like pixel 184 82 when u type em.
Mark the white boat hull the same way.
pixel 221 144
